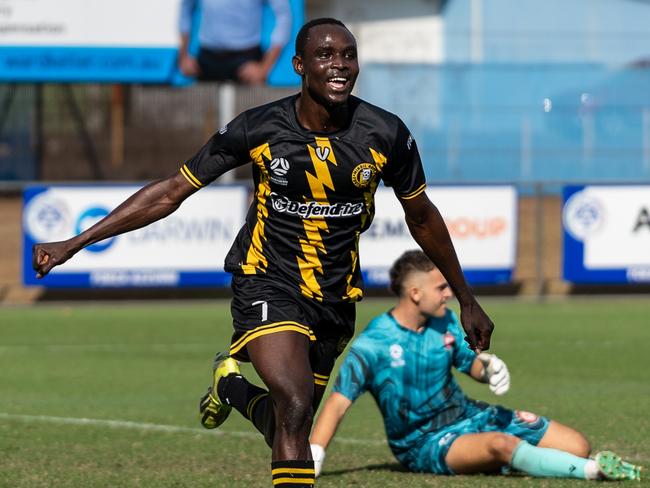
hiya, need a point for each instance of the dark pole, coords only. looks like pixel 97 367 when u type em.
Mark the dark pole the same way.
pixel 38 131
pixel 89 146
pixel 6 106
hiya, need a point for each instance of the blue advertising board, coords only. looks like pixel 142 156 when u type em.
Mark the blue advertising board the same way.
pixel 184 249
pixel 606 234
pixel 114 42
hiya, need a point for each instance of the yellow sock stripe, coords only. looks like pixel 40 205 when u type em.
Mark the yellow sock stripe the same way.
pixel 321 376
pixel 414 193
pixel 255 333
pixel 320 382
pixel 294 481
pixel 293 471
pixel 185 171
pixel 253 402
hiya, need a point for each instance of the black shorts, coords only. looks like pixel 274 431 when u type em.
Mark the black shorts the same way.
pixel 261 306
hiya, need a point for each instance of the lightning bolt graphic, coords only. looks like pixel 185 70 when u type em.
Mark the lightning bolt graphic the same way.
pixel 322 179
pixel 255 258
pixel 309 263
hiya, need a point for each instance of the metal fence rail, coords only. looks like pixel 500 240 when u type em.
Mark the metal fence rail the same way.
pixel 111 132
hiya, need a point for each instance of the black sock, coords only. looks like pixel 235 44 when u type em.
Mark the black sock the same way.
pixel 293 474
pixel 253 402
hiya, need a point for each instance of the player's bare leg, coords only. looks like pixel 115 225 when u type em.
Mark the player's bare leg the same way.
pixel 563 437
pixel 282 362
pixel 485 452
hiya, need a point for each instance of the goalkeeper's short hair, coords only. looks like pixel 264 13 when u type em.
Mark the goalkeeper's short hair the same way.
pixel 406 264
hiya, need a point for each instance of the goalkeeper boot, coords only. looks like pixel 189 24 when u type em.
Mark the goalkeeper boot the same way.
pixel 612 467
pixel 213 411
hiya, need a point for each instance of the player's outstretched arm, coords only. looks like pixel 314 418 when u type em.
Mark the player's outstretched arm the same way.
pixel 428 229
pixel 328 421
pixel 152 202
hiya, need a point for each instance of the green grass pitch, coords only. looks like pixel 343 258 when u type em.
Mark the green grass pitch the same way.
pixel 106 395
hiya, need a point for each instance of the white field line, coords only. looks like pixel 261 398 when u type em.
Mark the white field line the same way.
pixel 127 424
pixel 184 347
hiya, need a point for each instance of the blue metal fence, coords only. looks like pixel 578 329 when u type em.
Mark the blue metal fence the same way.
pixel 518 122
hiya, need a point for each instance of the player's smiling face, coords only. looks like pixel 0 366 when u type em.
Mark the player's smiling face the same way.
pixel 328 65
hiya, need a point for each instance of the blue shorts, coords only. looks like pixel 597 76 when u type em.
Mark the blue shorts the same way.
pixel 429 456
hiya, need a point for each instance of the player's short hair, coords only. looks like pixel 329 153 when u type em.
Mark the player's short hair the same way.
pixel 303 33
pixel 407 263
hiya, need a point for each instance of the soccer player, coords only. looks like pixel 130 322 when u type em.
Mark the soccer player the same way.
pixel 404 359
pixel 317 159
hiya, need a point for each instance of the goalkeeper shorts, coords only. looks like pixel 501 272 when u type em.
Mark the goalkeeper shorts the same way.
pixel 429 456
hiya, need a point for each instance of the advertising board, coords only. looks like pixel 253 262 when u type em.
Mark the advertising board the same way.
pixel 606 234
pixel 185 249
pixel 117 41
pixel 482 222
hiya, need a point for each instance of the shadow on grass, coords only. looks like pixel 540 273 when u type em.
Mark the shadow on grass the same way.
pixel 398 468
pixel 393 467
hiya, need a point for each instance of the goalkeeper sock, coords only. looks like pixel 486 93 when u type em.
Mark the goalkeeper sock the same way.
pixel 545 462
pixel 253 402
pixel 293 474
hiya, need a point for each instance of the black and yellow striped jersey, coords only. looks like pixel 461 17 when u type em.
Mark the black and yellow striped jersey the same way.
pixel 314 192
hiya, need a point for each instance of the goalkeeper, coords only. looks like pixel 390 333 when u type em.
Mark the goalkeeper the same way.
pixel 404 358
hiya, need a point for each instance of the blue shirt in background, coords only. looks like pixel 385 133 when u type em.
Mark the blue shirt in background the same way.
pixel 409 375
pixel 235 24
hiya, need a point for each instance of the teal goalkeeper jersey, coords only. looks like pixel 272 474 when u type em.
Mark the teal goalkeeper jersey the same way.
pixel 409 375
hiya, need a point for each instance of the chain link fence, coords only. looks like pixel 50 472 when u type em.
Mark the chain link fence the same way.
pixel 110 132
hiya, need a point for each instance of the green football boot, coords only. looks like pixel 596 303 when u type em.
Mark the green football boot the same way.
pixel 213 411
pixel 612 467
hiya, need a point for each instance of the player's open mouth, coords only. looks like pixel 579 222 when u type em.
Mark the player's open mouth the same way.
pixel 337 83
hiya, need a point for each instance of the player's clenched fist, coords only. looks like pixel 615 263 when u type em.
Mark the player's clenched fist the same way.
pixel 46 256
pixel 477 325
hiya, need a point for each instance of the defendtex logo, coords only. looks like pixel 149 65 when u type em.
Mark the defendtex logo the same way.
pixel 314 209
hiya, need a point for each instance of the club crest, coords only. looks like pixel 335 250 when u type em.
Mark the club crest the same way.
pixel 363 174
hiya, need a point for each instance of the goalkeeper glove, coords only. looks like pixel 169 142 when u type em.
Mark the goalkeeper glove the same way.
pixel 318 455
pixel 495 372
